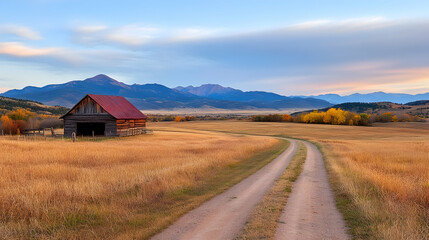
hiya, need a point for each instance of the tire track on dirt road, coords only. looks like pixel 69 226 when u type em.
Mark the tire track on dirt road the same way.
pixel 224 216
pixel 310 212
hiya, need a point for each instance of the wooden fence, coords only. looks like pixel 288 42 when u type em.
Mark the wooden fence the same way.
pixel 133 132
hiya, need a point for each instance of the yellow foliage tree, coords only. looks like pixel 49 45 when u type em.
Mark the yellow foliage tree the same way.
pixel 20 114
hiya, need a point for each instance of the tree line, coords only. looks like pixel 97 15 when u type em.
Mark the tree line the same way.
pixel 337 116
pixel 16 121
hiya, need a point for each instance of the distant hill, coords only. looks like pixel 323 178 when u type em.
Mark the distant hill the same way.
pixel 420 108
pixel 418 103
pixel 401 98
pixel 156 96
pixel 8 104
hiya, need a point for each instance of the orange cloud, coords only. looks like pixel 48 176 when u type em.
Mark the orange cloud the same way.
pixel 19 50
pixel 2 90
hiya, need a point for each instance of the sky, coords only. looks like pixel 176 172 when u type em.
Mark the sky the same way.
pixel 305 47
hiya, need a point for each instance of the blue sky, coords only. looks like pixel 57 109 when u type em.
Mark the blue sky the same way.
pixel 288 47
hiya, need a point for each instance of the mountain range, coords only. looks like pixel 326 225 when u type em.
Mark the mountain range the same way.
pixel 218 92
pixel 401 98
pixel 156 96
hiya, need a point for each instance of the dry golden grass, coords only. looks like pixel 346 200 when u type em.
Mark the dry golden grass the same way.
pixel 380 173
pixel 107 189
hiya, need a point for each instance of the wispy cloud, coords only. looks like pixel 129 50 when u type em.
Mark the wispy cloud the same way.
pixel 51 55
pixel 129 35
pixel 341 25
pixel 185 34
pixel 135 35
pixel 20 31
pixel 17 49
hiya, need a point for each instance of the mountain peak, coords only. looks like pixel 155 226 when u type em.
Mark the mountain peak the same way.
pixel 207 90
pixel 100 78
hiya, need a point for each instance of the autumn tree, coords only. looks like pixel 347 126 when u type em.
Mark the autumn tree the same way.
pixel 179 119
pixel 8 125
pixel 20 114
pixel 385 117
pixel 314 117
pixel 364 119
pixel 286 118
pixel 20 126
pixel 190 118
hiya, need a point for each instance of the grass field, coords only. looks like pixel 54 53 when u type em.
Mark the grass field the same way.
pixel 380 174
pixel 118 188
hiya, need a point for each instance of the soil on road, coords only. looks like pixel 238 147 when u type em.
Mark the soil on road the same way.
pixel 225 215
pixel 310 212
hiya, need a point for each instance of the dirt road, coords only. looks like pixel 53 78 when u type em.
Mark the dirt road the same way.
pixel 310 212
pixel 224 216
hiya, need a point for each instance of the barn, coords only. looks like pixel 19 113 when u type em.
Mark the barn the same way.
pixel 104 115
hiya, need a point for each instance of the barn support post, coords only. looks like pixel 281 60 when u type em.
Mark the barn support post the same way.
pixel 73 136
pixel 93 135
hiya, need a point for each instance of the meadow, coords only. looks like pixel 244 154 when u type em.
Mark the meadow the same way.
pixel 380 174
pixel 118 188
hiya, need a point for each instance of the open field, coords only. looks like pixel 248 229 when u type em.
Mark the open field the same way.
pixel 118 188
pixel 380 173
pixel 217 111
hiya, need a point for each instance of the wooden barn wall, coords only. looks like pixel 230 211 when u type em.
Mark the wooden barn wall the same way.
pixel 125 124
pixel 70 123
pixel 87 106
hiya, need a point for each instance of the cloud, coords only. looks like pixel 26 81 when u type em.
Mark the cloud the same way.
pixel 74 59
pixel 50 55
pixel 135 35
pixel 21 31
pixel 128 35
pixel 186 34
pixel 341 25
pixel 17 49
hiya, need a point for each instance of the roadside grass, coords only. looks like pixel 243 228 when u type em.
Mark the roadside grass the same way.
pixel 380 174
pixel 382 196
pixel 358 224
pixel 124 189
pixel 264 219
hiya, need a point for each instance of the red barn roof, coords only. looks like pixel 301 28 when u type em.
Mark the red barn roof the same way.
pixel 117 106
